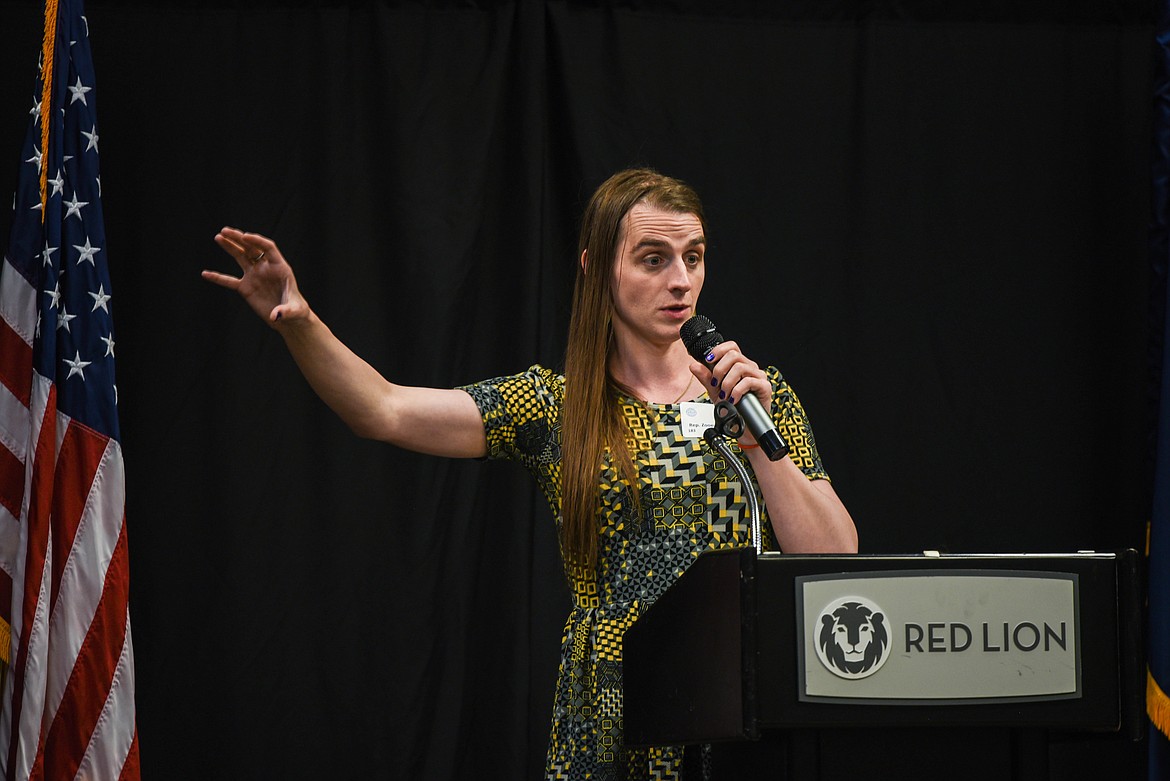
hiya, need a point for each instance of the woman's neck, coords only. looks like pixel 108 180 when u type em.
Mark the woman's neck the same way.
pixel 658 375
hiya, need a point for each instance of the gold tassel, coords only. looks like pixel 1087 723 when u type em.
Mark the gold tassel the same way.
pixel 5 641
pixel 5 652
pixel 48 47
pixel 1157 705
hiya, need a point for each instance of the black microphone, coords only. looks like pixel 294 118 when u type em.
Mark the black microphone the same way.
pixel 699 336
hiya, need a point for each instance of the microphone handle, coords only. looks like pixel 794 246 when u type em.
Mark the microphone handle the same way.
pixel 763 429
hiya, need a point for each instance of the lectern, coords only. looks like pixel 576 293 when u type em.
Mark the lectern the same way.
pixel 744 646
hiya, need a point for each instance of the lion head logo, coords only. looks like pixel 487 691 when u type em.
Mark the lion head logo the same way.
pixel 853 641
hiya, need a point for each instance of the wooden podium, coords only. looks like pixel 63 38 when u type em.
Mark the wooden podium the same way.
pixel 729 654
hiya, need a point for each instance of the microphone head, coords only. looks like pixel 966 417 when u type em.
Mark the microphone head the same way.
pixel 699 336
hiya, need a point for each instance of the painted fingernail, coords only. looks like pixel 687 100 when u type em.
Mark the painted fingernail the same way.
pixel 720 394
pixel 710 357
pixel 714 383
pixel 731 399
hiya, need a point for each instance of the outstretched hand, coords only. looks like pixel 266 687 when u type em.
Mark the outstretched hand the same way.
pixel 267 283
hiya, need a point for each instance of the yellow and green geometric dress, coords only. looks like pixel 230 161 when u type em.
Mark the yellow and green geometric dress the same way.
pixel 691 502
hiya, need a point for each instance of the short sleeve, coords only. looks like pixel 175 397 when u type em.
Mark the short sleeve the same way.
pixel 522 415
pixel 793 424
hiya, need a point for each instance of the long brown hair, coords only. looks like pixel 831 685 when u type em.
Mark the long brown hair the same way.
pixel 592 423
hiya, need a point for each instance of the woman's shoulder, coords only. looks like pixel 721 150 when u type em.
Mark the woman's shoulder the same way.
pixel 547 376
pixel 775 377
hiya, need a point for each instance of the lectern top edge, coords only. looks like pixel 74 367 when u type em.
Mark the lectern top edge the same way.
pixel 924 556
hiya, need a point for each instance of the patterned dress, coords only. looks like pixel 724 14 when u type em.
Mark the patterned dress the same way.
pixel 691 502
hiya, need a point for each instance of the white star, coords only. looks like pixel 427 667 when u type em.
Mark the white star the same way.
pixel 63 319
pixel 36 109
pixel 109 340
pixel 75 207
pixel 54 294
pixel 36 158
pixel 87 252
pixel 78 91
pixel 98 179
pixel 57 183
pixel 93 138
pixel 48 255
pixel 76 366
pixel 99 300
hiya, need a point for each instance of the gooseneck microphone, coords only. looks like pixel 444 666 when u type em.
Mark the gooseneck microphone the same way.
pixel 699 336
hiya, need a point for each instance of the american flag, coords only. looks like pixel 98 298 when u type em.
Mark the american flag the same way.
pixel 68 685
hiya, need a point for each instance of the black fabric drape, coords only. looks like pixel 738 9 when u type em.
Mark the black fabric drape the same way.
pixel 933 222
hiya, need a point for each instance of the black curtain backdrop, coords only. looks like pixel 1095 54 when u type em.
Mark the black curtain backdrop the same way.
pixel 932 219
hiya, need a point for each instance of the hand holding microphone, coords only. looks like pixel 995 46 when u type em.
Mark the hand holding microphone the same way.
pixel 699 336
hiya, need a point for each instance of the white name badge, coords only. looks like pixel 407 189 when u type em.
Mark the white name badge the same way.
pixel 697 417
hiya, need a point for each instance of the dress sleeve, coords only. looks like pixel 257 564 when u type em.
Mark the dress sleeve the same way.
pixel 793 424
pixel 522 416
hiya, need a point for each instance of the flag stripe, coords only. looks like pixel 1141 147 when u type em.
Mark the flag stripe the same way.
pixel 87 575
pixel 78 457
pixel 17 310
pixel 130 768
pixel 18 302
pixel 15 360
pixel 74 719
pixel 115 741
pixel 11 483
pixel 28 626
pixel 9 543
pixel 17 315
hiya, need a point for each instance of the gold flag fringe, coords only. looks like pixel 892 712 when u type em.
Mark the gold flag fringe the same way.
pixel 5 651
pixel 1157 705
pixel 48 46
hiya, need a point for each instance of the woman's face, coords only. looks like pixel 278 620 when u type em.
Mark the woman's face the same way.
pixel 657 274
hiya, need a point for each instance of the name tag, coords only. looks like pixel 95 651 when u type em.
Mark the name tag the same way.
pixel 697 417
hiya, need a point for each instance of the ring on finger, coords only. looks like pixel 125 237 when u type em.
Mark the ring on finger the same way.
pixel 258 258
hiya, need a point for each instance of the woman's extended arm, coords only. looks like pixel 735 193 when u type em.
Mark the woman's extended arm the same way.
pixel 443 422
